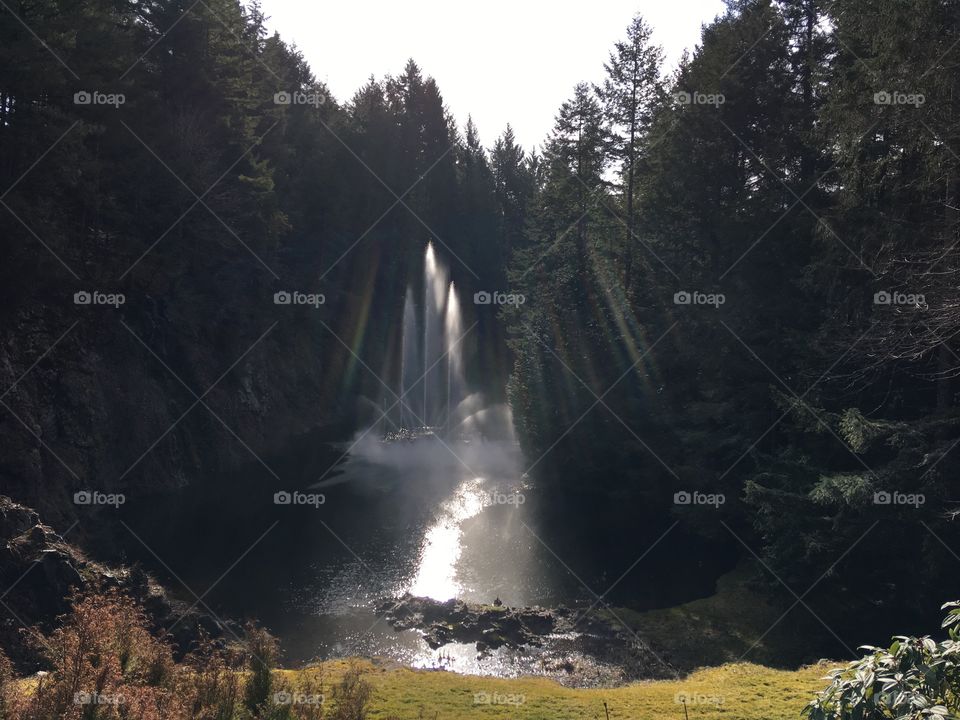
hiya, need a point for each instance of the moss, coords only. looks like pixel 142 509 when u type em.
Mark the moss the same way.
pixel 742 621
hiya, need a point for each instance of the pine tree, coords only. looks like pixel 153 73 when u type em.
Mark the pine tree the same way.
pixel 514 186
pixel 629 93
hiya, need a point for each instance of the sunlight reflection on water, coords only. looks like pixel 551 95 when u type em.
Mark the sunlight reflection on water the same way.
pixel 442 543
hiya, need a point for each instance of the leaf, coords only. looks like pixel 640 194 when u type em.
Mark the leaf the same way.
pixel 952 619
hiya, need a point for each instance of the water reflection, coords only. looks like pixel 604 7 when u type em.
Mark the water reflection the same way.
pixel 436 515
pixel 442 544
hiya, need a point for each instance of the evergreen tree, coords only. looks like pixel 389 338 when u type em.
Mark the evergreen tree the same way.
pixel 630 93
pixel 514 186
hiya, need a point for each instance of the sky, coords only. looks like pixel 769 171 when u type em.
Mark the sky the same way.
pixel 501 61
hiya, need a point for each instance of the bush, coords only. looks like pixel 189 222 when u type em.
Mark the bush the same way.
pixel 6 687
pixel 209 682
pixel 106 664
pixel 262 651
pixel 351 696
pixel 300 700
pixel 912 679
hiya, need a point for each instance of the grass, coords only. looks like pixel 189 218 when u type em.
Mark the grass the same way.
pixel 739 691
pixel 736 691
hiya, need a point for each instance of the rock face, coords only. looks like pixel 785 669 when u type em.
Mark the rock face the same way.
pixel 39 571
pixel 98 411
pixel 558 632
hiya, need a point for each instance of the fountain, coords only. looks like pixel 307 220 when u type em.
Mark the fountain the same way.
pixel 432 384
pixel 446 457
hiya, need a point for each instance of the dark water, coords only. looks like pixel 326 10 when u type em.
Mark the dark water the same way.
pixel 436 518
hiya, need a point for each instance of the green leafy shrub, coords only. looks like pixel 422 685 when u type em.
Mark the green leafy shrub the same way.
pixel 912 679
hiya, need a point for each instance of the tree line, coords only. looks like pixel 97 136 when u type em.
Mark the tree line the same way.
pixel 179 155
pixel 741 284
pixel 739 275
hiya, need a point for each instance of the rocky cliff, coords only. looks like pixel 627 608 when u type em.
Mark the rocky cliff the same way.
pixel 39 571
pixel 154 397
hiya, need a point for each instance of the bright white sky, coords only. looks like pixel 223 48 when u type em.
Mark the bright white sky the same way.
pixel 501 61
